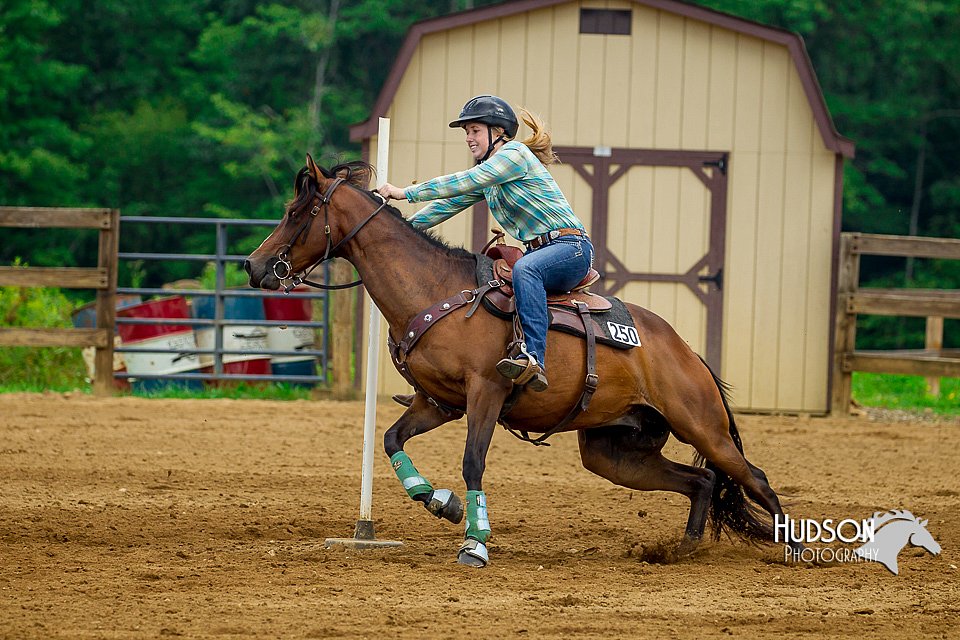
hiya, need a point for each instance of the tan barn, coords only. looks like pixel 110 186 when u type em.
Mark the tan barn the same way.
pixel 696 147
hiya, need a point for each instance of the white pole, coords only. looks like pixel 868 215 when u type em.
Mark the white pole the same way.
pixel 373 349
pixel 364 535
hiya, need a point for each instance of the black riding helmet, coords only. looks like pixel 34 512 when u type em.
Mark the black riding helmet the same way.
pixel 491 111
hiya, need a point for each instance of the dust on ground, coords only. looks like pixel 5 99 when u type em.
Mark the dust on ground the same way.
pixel 132 518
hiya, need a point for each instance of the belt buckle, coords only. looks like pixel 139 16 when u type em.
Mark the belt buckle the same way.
pixel 553 235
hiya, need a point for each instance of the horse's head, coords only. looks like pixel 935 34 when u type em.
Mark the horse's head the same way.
pixel 922 538
pixel 893 530
pixel 312 225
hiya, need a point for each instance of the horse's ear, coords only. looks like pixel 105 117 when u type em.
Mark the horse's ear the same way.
pixel 923 523
pixel 313 168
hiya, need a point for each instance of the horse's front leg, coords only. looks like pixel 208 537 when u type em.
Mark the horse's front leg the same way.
pixel 420 418
pixel 484 401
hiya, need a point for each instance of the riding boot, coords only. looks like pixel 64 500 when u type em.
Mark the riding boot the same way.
pixel 523 371
pixel 404 399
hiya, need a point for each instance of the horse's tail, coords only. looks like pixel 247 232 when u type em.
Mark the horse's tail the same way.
pixel 731 508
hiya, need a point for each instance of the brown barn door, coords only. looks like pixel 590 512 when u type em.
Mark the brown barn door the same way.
pixel 659 218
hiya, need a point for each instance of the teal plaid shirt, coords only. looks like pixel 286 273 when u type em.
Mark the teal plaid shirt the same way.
pixel 520 192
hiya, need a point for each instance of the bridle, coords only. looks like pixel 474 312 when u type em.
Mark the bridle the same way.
pixel 283 256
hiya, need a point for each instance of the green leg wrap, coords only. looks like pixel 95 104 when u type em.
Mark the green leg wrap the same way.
pixel 478 523
pixel 410 478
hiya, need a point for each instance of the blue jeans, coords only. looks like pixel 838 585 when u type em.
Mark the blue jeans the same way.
pixel 557 266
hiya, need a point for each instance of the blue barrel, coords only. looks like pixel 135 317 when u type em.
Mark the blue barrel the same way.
pixel 85 317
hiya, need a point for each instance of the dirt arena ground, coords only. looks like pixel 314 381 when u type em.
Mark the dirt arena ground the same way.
pixel 130 518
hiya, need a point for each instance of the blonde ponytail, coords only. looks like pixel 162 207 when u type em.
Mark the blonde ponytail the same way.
pixel 539 141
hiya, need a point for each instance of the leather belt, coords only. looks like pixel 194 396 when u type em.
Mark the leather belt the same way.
pixel 550 236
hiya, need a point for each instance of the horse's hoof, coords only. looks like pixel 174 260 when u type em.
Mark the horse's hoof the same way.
pixel 687 546
pixel 470 561
pixel 445 504
pixel 473 553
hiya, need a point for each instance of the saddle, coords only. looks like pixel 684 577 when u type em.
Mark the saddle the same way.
pixel 504 256
pixel 575 305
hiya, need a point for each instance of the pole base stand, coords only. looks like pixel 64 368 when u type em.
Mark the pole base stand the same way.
pixel 363 538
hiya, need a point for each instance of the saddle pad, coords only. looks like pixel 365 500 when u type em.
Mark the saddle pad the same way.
pixel 614 328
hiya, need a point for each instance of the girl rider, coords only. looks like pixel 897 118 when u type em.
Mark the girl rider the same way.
pixel 525 199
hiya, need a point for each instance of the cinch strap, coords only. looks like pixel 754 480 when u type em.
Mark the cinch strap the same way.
pixel 589 384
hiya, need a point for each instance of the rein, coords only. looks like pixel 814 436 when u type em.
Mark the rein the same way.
pixel 283 256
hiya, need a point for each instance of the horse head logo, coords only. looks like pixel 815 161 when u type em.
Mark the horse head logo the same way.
pixel 892 531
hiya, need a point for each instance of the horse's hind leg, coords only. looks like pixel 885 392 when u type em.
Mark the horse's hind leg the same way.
pixel 705 421
pixel 629 455
pixel 724 454
pixel 420 418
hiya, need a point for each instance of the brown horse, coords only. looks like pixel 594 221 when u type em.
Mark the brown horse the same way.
pixel 645 393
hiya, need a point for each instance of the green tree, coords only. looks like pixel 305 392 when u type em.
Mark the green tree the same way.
pixel 890 76
pixel 39 137
pixel 206 107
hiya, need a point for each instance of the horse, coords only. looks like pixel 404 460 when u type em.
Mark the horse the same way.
pixel 645 394
pixel 892 531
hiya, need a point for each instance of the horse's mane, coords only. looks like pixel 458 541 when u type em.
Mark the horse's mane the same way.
pixel 357 175
pixel 880 518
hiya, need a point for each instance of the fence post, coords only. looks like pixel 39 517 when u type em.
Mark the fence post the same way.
pixel 107 305
pixel 341 342
pixel 846 323
pixel 934 342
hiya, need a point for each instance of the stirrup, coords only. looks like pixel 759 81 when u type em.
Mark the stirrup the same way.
pixel 523 371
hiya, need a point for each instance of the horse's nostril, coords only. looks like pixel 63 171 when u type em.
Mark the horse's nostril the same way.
pixel 246 266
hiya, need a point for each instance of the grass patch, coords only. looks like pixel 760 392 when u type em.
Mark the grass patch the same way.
pixel 33 387
pixel 38 368
pixel 235 391
pixel 906 393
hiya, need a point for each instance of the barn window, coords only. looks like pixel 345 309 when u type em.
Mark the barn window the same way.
pixel 607 21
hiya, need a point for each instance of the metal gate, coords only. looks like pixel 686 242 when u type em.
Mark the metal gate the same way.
pixel 220 258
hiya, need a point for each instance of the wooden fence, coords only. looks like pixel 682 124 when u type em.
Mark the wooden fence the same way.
pixel 933 304
pixel 103 278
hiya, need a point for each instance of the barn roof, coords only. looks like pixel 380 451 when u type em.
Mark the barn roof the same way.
pixel 794 43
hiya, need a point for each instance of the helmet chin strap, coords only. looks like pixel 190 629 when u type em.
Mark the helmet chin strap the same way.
pixel 490 143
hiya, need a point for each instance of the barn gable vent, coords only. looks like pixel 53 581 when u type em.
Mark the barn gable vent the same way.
pixel 606 21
